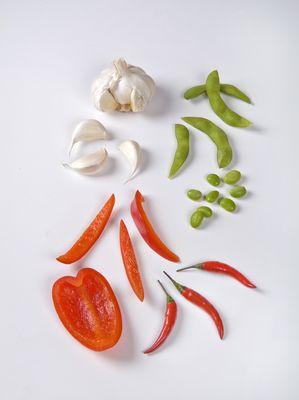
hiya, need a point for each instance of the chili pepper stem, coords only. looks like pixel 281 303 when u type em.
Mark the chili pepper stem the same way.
pixel 195 266
pixel 169 298
pixel 179 287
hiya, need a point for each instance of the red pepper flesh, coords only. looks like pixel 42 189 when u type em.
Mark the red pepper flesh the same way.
pixel 88 309
pixel 146 230
pixel 219 267
pixel 168 324
pixel 130 262
pixel 200 301
pixel 90 235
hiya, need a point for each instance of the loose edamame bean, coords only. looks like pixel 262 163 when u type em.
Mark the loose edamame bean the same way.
pixel 219 106
pixel 212 196
pixel 232 177
pixel 217 135
pixel 196 219
pixel 213 179
pixel 182 151
pixel 238 191
pixel 194 194
pixel 207 212
pixel 227 204
pixel 226 88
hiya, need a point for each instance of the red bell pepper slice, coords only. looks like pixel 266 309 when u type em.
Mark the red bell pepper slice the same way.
pixel 130 262
pixel 90 236
pixel 147 231
pixel 88 309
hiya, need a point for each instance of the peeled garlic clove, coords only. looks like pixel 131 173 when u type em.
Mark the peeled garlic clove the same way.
pixel 90 164
pixel 106 101
pixel 132 151
pixel 87 131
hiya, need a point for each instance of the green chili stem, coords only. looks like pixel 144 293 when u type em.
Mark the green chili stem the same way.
pixel 195 266
pixel 169 298
pixel 179 287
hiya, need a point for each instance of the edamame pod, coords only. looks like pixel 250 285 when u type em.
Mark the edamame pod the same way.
pixel 219 106
pixel 232 177
pixel 228 204
pixel 226 88
pixel 212 196
pixel 206 211
pixel 238 191
pixel 182 151
pixel 196 219
pixel 194 194
pixel 213 179
pixel 217 135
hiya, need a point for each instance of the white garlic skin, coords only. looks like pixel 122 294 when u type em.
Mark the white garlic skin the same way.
pixel 91 164
pixel 123 87
pixel 88 131
pixel 132 151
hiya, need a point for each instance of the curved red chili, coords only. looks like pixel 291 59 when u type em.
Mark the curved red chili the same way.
pixel 168 324
pixel 201 302
pixel 219 267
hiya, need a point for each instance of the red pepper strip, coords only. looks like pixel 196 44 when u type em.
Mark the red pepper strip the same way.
pixel 130 262
pixel 216 266
pixel 201 302
pixel 168 324
pixel 88 309
pixel 90 236
pixel 147 231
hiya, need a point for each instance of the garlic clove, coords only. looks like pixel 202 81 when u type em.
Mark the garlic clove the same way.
pixel 132 151
pixel 90 164
pixel 137 102
pixel 106 102
pixel 87 131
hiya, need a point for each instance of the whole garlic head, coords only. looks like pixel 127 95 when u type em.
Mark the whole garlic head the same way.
pixel 122 87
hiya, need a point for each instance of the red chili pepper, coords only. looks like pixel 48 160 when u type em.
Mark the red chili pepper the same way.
pixel 216 266
pixel 147 231
pixel 130 262
pixel 88 309
pixel 168 324
pixel 201 302
pixel 90 236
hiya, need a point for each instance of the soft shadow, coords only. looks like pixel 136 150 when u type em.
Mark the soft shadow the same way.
pixel 161 104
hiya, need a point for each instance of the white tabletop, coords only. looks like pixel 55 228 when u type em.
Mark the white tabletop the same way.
pixel 50 53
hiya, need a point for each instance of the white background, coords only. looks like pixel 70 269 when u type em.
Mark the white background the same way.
pixel 50 53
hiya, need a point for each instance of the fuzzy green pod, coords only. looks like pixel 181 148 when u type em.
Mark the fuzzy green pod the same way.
pixel 182 150
pixel 228 204
pixel 213 179
pixel 207 211
pixel 194 194
pixel 212 196
pixel 196 219
pixel 238 191
pixel 225 88
pixel 232 177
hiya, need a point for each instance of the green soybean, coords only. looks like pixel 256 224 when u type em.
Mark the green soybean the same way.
pixel 194 194
pixel 217 135
pixel 212 196
pixel 238 191
pixel 232 177
pixel 207 212
pixel 227 204
pixel 219 106
pixel 196 219
pixel 182 151
pixel 213 179
pixel 226 88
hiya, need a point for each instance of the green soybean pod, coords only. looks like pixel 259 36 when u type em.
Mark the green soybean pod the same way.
pixel 212 196
pixel 233 91
pixel 232 177
pixel 194 91
pixel 194 194
pixel 182 151
pixel 217 135
pixel 219 106
pixel 238 192
pixel 196 219
pixel 213 179
pixel 207 212
pixel 227 204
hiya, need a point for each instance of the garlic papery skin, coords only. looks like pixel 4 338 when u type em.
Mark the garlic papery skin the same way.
pixel 88 131
pixel 91 164
pixel 123 87
pixel 132 151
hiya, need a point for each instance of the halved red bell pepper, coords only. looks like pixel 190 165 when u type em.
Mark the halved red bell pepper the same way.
pixel 147 231
pixel 88 308
pixel 130 262
pixel 90 236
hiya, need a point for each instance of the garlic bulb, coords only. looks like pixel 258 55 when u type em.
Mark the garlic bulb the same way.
pixel 90 164
pixel 132 151
pixel 122 87
pixel 87 131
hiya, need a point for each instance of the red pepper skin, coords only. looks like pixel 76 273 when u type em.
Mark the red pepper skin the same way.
pixel 219 267
pixel 88 309
pixel 147 231
pixel 200 301
pixel 130 262
pixel 168 324
pixel 90 235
